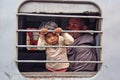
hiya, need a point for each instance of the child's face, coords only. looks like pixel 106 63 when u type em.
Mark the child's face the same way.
pixel 52 38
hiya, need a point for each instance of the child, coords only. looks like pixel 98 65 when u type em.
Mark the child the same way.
pixel 55 38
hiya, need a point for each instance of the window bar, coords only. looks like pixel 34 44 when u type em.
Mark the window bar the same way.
pixel 58 46
pixel 81 31
pixel 40 61
pixel 51 15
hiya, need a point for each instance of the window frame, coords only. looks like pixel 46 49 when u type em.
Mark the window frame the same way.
pixel 66 74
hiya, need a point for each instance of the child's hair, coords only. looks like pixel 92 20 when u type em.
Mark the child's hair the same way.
pixel 49 25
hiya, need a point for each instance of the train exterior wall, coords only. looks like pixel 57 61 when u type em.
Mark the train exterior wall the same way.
pixel 110 41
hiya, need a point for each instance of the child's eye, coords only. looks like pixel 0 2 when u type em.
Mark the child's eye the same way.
pixel 47 36
pixel 54 35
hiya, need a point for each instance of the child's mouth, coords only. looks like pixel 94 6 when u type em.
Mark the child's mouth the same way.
pixel 54 42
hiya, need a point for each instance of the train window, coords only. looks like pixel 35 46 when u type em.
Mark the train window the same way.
pixel 31 14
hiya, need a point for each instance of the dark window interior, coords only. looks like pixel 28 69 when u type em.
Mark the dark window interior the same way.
pixel 25 22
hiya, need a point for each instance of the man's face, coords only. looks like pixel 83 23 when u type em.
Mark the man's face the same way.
pixel 74 24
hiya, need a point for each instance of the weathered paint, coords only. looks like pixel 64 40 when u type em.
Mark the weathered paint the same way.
pixel 110 42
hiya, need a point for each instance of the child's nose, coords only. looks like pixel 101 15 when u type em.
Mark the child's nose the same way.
pixel 52 38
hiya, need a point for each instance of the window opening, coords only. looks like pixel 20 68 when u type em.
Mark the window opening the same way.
pixel 29 20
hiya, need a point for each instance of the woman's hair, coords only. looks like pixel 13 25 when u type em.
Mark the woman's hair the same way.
pixel 49 25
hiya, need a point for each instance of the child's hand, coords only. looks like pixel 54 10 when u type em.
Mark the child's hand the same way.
pixel 44 31
pixel 58 30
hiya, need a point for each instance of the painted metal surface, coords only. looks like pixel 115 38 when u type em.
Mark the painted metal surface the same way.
pixel 110 42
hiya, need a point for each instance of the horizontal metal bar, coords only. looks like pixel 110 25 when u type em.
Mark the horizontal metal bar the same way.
pixel 53 15
pixel 51 75
pixel 58 46
pixel 41 61
pixel 68 74
pixel 81 31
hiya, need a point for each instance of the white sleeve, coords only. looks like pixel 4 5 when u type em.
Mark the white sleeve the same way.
pixel 41 42
pixel 68 39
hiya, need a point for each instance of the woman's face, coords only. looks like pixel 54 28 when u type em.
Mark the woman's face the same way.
pixel 52 38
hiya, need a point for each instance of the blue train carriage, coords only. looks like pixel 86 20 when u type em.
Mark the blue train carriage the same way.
pixel 19 27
